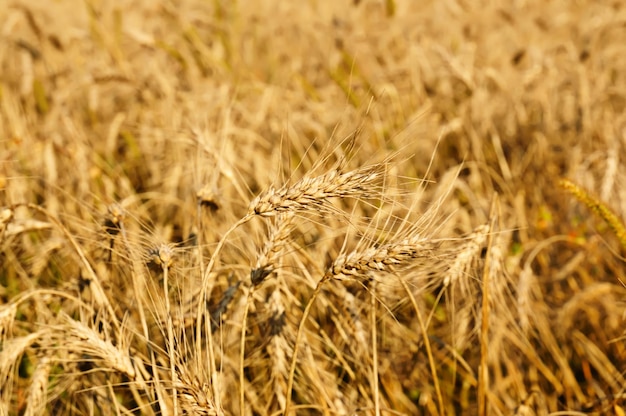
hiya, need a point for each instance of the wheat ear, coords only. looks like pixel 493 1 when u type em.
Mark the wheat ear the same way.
pixel 383 257
pixel 599 208
pixel 38 388
pixel 315 191
pixel 195 397
pixel 467 254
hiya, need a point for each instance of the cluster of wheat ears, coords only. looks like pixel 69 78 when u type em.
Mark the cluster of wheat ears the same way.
pixel 164 329
pixel 184 353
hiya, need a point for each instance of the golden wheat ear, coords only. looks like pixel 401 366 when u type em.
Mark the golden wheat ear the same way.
pixel 599 208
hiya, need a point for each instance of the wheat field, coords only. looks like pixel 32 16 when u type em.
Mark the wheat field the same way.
pixel 263 207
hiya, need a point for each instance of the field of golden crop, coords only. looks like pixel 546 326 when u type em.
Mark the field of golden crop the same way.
pixel 264 207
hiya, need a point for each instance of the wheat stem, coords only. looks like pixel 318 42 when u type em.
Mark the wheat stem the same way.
pixel 296 347
pixel 201 309
pixel 374 349
pixel 242 348
pixel 483 370
pixel 165 258
pixel 426 338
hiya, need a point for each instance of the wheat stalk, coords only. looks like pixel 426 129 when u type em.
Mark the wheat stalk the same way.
pixel 483 369
pixel 164 256
pixel 115 223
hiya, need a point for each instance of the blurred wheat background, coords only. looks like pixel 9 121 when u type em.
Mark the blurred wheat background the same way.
pixel 317 208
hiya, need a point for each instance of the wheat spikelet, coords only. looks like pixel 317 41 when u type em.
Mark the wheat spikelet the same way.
pixel 524 410
pixel 207 197
pixel 114 218
pixel 314 192
pixel 161 256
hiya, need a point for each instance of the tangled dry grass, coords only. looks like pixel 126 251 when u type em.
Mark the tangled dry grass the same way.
pixel 338 208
